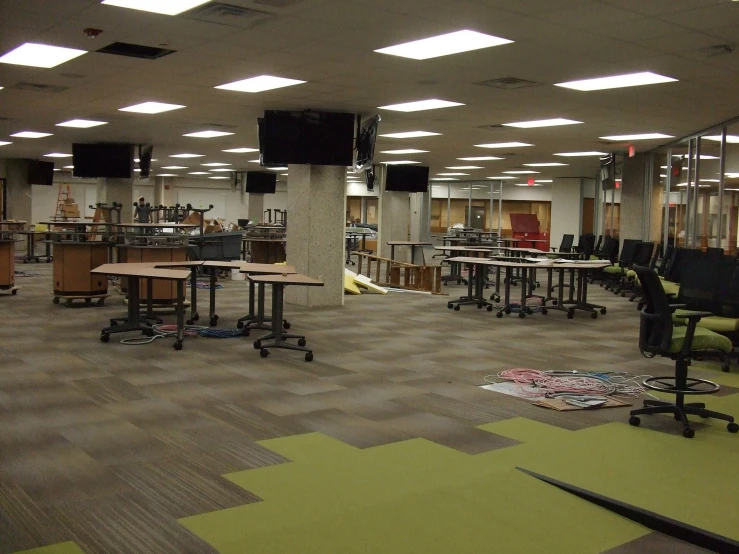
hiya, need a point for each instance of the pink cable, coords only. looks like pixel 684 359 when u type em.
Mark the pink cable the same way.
pixel 548 384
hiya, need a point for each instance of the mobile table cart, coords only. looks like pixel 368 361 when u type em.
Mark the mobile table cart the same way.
pixel 477 276
pixel 79 247
pixel 257 319
pixel 7 261
pixel 278 283
pixel 31 245
pixel 133 321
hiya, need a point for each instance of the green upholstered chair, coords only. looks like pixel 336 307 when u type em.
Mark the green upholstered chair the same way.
pixel 658 336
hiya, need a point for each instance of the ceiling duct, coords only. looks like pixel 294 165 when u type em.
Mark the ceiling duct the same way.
pixel 230 15
pixel 508 83
pixel 135 51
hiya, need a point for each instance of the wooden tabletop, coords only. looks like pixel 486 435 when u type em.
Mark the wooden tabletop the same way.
pixel 263 239
pixel 153 225
pixel 295 279
pixel 408 243
pixel 543 264
pixel 140 270
pixel 467 248
pixel 526 250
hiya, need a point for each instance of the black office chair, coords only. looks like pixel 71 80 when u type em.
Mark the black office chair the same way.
pixel 566 244
pixel 658 336
pixel 669 251
pixel 598 244
pixel 613 274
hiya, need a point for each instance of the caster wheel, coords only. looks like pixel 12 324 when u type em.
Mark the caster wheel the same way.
pixel 104 337
pixel 55 300
pixel 301 342
pixel 623 295
pixel 570 315
pixel 240 325
pixel 594 315
pixel 497 298
pixel 450 305
pixel 214 321
pixel 479 306
pixel 178 345
pixel 732 428
pixel 148 332
pixel 635 421
pixel 245 332
pixel 459 281
pixel 87 300
pixel 286 325
pixel 725 367
pixel 555 302
pixel 544 311
pixel 456 308
pixel 499 315
pixel 309 357
pixel 113 323
pixel 507 311
pixel 639 307
pixel 490 308
pixel 257 344
pixel 196 317
pixel 521 315
pixel 189 322
pixel 603 311
pixel 446 284
pixel 264 352
pixel 688 433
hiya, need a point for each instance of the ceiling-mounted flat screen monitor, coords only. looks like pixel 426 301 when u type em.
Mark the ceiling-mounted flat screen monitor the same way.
pixel 316 138
pixel 114 161
pixel 261 182
pixel 607 178
pixel 40 173
pixel 366 139
pixel 407 178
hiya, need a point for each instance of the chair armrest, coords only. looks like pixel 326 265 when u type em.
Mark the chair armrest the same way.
pixel 674 307
pixel 552 248
pixel 694 316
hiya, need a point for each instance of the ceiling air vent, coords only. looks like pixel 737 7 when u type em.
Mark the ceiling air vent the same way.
pixel 135 51
pixel 508 83
pixel 227 14
pixel 38 87
pixel 278 3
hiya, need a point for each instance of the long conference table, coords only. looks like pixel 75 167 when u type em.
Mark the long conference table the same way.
pixel 576 297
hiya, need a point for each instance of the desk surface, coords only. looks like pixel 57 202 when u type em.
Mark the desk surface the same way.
pixel 295 279
pixel 526 250
pixel 154 225
pixel 544 264
pixel 408 243
pixel 141 270
pixel 263 239
pixel 521 240
pixel 488 249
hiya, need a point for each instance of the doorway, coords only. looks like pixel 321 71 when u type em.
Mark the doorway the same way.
pixel 588 209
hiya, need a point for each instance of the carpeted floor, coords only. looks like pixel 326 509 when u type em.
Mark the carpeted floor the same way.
pixel 383 444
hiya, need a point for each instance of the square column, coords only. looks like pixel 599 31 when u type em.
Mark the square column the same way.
pixel 119 191
pixel 420 217
pixel 393 219
pixel 19 190
pixel 255 209
pixel 316 202
pixel 566 210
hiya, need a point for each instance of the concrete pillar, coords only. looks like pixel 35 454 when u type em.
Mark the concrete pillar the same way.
pixel 158 200
pixel 256 207
pixel 393 219
pixel 316 202
pixel 120 191
pixel 566 210
pixel 420 217
pixel 19 190
pixel 633 190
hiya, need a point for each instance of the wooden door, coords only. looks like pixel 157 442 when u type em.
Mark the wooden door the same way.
pixel 588 207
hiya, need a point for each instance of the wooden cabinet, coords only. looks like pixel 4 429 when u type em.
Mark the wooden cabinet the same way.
pixel 163 292
pixel 73 262
pixel 7 264
pixel 266 251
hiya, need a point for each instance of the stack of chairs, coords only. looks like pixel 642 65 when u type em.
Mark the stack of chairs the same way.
pixel 613 274
pixel 642 256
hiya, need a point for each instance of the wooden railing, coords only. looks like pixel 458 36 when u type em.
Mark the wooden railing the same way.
pixel 400 274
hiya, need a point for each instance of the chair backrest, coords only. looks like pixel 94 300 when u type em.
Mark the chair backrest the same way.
pixel 642 253
pixel 669 251
pixel 655 329
pixel 729 292
pixel 679 258
pixel 716 254
pixel 655 256
pixel 628 249
pixel 702 282
pixel 566 244
pixel 598 244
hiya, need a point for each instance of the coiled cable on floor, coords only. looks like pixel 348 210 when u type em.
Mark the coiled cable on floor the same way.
pixel 168 331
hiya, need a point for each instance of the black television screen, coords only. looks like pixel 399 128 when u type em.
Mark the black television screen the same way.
pixel 366 139
pixel 607 179
pixel 40 173
pixel 114 161
pixel 407 178
pixel 261 182
pixel 317 138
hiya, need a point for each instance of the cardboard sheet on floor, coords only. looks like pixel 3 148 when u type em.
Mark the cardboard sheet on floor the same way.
pixel 561 406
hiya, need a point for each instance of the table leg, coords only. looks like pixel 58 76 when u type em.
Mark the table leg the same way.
pixel 213 278
pixel 194 316
pixel 279 336
pixel 524 288
pixel 180 314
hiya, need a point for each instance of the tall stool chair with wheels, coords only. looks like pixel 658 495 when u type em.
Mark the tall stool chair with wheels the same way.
pixel 658 336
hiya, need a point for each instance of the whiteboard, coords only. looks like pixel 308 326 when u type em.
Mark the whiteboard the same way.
pixel 202 199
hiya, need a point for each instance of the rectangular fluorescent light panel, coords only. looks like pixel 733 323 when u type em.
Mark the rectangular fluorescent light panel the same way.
pixel 174 167
pixel 547 164
pixel 199 173
pixel 400 162
pixel 57 155
pixel 40 55
pixel 241 150
pixel 503 145
pixel 81 123
pixel 4 143
pixel 187 156
pixel 544 180
pixel 733 139
pixel 617 81
pixel 151 107
pixel 219 177
pixel 30 135
pixel 68 167
pixel 411 134
pixel 207 134
pixel 521 172
pixel 277 168
pixel 215 164
pixel 501 177
pixel 642 136
pixel 465 167
pixel 420 105
pixel 542 123
pixel 452 174
pixel 406 151
pixel 164 7
pixel 223 169
pixel 444 45
pixel 580 154
pixel 481 159
pixel 443 179
pixel 260 84
pixel 167 175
